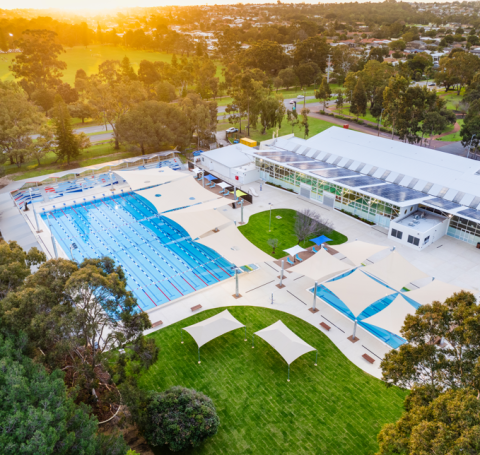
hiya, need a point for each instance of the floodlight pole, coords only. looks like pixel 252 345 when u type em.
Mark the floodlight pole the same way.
pixel 34 212
pixel 281 273
pixel 241 208
pixel 270 221
pixel 237 295
pixel 53 238
pixel 314 308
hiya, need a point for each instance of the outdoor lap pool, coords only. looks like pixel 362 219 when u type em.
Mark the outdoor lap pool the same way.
pixel 161 261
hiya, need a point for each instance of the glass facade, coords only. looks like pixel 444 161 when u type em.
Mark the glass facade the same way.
pixel 350 201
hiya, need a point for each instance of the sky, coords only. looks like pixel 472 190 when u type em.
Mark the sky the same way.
pixel 108 4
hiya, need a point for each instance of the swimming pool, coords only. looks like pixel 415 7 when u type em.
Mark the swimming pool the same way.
pixel 161 261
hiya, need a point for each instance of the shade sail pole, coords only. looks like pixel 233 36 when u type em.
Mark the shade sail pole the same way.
pixel 236 283
pixel 314 305
pixel 245 333
pixel 181 334
pixel 316 357
pixel 199 355
pixel 288 379
pixel 281 273
pixel 253 343
pixel 354 330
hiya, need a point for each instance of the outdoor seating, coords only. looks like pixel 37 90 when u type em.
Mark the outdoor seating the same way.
pixel 290 261
pixel 196 307
pixel 325 326
pixel 156 324
pixel 297 257
pixel 314 250
pixel 368 358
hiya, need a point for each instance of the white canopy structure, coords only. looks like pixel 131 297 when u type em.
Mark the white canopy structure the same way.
pixel 198 223
pixel 295 250
pixel 234 247
pixel 395 270
pixel 393 316
pixel 358 291
pixel 181 193
pixel 205 331
pixel 149 177
pixel 358 251
pixel 320 267
pixel 289 345
pixel 434 291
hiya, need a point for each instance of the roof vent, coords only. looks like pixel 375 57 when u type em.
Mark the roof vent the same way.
pixel 337 160
pixel 360 167
pixel 373 170
pixel 478 172
pixel 326 157
pixel 348 164
pixel 385 175
pixel 443 191
pixel 475 202
pixel 412 183
pixel 427 187
pixel 458 197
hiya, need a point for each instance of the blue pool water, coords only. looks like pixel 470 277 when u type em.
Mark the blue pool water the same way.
pixel 161 261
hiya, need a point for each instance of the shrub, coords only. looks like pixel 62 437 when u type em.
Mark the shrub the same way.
pixel 180 418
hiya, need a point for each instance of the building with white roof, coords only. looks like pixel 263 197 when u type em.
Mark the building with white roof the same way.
pixel 380 180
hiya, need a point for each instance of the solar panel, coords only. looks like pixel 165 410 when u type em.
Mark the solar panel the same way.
pixel 359 181
pixel 471 213
pixel 442 203
pixel 394 192
pixel 313 165
pixel 339 172
pixel 276 153
pixel 290 159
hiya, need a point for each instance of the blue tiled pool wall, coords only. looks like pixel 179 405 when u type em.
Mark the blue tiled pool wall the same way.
pixel 389 338
pixel 161 261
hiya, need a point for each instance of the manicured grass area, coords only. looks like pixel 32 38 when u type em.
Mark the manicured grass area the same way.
pixel 452 98
pixel 345 111
pixel 454 137
pixel 334 408
pixel 315 126
pixel 257 231
pixel 88 58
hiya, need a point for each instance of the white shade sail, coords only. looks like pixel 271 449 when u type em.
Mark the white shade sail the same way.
pixel 284 341
pixel 234 247
pixel 181 193
pixel 434 291
pixel 198 223
pixel 295 250
pixel 213 327
pixel 358 251
pixel 223 185
pixel 358 291
pixel 395 270
pixel 148 177
pixel 320 267
pixel 393 316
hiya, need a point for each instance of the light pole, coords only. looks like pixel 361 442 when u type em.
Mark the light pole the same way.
pixel 380 121
pixel 270 221
pixel 470 146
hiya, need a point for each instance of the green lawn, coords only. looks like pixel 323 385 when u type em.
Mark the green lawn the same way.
pixel 454 137
pixel 90 57
pixel 453 99
pixel 256 230
pixel 333 409
pixel 345 111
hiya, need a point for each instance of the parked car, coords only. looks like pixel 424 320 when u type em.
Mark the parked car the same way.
pixel 300 97
pixel 292 101
pixel 232 130
pixel 432 84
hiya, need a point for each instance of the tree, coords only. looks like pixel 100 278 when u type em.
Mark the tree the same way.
pixel 457 69
pixel 359 100
pixel 67 145
pixel 398 45
pixel 450 424
pixel 306 73
pixel 126 69
pixel 470 131
pixel 19 119
pixel 324 92
pixel 292 118
pixel 376 107
pixel 180 418
pixel 155 125
pixel 288 77
pixel 15 266
pixel 201 115
pixel 81 110
pixel 67 92
pixel 308 223
pixel 265 55
pixel 423 362
pixel 434 123
pixel 339 99
pixel 269 111
pixel 44 97
pixel 305 124
pixel 165 92
pixel 273 243
pixel 37 65
pixel 314 49
pixel 81 80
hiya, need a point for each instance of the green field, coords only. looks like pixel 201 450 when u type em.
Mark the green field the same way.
pixel 257 231
pixel 90 57
pixel 332 409
pixel 454 137
pixel 315 126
